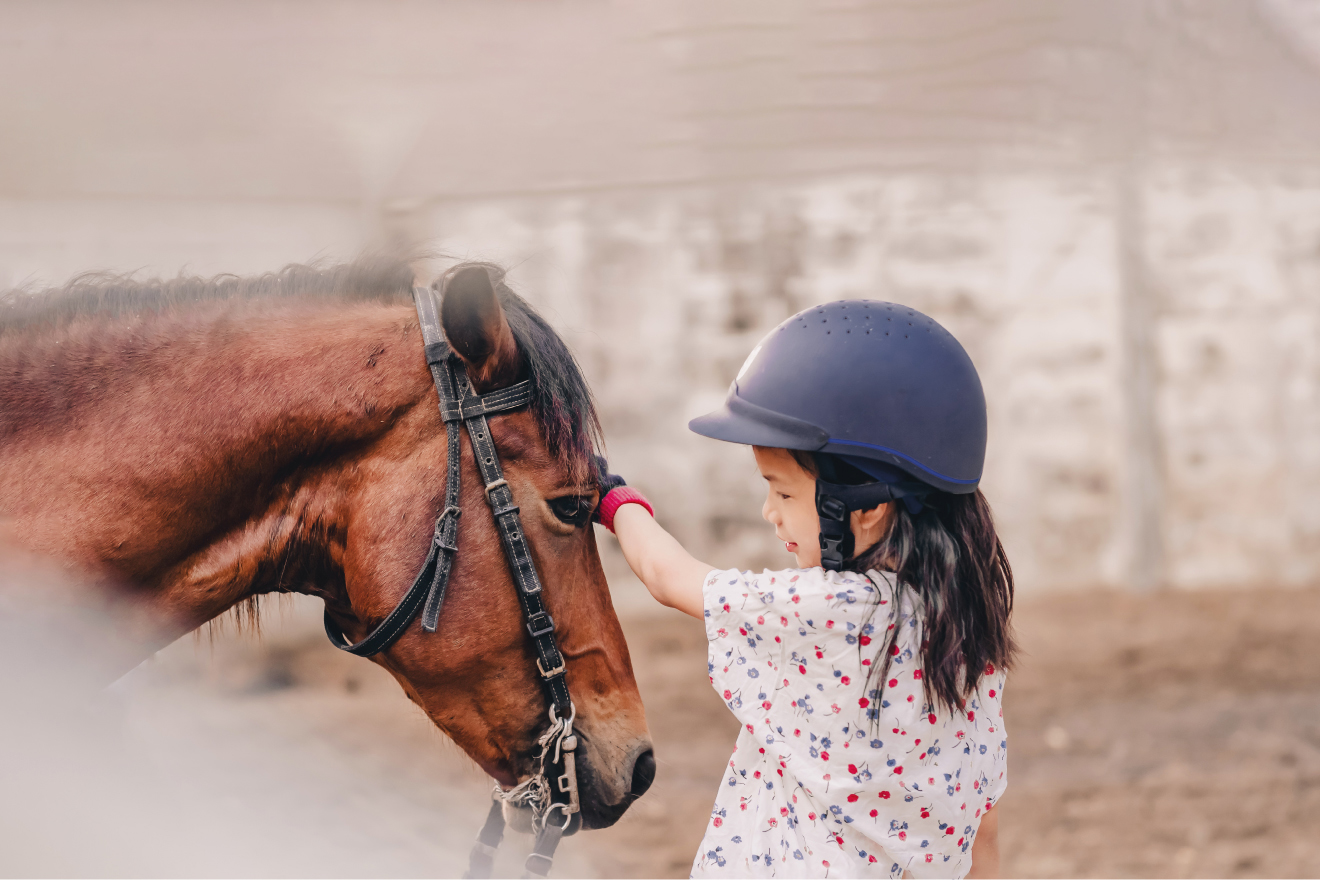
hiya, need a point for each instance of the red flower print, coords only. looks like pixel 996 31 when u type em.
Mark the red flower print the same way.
pixel 893 682
pixel 797 732
pixel 871 859
pixel 902 835
pixel 874 813
pixel 742 631
pixel 717 821
pixel 797 598
pixel 852 768
pixel 893 649
pixel 728 695
pixel 916 673
pixel 960 734
pixel 811 816
pixel 783 621
pixel 884 795
pixel 866 661
pixel 948 830
pixel 989 669
pixel 846 680
pixel 930 857
pixel 802 669
pixel 931 717
pixel 863 702
pixel 765 704
pixel 722 632
pixel 726 606
pixel 960 840
pixel 820 655
pixel 992 692
pixel 898 769
pixel 971 716
pixel 824 756
pixel 865 640
pixel 852 798
pixel 829 624
pixel 925 813
pixel 760 620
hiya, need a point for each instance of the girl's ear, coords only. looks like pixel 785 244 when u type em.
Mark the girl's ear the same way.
pixel 476 327
pixel 869 526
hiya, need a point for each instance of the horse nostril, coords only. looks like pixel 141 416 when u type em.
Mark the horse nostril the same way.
pixel 643 773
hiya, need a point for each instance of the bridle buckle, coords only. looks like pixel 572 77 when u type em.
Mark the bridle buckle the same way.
pixel 549 673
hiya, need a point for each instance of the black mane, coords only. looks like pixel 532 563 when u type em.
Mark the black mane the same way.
pixel 563 403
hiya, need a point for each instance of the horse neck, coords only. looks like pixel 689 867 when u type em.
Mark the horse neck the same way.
pixel 194 460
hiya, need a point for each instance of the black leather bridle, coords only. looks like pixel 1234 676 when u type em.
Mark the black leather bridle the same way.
pixel 460 403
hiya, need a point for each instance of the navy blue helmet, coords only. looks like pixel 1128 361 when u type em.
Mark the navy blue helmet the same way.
pixel 879 385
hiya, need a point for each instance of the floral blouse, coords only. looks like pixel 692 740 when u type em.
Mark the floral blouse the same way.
pixel 830 776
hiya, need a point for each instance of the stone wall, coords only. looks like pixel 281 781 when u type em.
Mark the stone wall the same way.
pixel 664 293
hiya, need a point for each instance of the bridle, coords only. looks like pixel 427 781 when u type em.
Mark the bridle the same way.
pixel 460 403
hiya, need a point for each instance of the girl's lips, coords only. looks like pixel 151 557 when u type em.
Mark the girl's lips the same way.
pixel 790 546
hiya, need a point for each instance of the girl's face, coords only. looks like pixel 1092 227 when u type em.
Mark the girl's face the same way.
pixel 790 506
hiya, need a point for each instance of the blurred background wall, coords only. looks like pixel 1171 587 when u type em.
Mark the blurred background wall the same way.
pixel 1115 206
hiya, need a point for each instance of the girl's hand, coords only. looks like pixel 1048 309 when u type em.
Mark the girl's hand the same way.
pixel 669 572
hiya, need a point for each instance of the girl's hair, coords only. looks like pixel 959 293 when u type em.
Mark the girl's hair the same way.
pixel 950 556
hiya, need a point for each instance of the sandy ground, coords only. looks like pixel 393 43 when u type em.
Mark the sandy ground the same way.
pixel 1162 736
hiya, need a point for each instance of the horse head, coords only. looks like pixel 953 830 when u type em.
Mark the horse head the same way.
pixel 477 676
pixel 192 445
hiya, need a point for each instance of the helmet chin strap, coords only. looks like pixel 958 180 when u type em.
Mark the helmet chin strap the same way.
pixel 836 501
pixel 836 537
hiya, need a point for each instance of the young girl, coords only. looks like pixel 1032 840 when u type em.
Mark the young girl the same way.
pixel 869 676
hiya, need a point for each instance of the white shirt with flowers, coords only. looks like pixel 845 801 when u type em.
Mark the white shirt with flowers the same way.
pixel 829 777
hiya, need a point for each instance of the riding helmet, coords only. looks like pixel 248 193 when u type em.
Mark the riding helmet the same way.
pixel 875 386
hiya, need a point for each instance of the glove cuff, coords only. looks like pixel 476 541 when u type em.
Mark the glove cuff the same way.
pixel 618 497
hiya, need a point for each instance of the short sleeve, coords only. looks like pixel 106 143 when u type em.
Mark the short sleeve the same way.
pixel 742 615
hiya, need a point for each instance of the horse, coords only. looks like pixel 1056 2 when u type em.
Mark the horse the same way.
pixel 190 445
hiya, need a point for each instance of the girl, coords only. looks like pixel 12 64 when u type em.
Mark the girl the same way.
pixel 868 677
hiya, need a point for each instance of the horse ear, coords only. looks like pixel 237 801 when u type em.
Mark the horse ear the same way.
pixel 477 329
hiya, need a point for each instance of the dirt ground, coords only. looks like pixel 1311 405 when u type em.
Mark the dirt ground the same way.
pixel 1171 735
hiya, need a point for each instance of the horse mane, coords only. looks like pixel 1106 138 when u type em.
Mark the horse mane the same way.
pixel 563 403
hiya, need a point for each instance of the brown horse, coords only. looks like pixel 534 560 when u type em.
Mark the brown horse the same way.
pixel 188 446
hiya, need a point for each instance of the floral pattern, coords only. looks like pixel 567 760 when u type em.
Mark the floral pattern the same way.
pixel 831 776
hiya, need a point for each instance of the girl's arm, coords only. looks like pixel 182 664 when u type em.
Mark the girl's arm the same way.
pixel 985 849
pixel 671 574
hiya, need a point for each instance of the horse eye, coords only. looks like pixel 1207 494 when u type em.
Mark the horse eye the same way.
pixel 573 510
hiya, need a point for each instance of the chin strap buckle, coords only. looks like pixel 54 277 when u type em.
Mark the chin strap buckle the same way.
pixel 836 537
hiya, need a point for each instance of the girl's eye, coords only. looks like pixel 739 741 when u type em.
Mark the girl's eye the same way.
pixel 573 510
pixel 783 496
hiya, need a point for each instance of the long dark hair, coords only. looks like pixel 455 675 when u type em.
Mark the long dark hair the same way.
pixel 950 556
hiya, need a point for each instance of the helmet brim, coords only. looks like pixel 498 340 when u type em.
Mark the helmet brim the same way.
pixel 739 421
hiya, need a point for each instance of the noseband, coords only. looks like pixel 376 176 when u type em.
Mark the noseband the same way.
pixel 460 403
